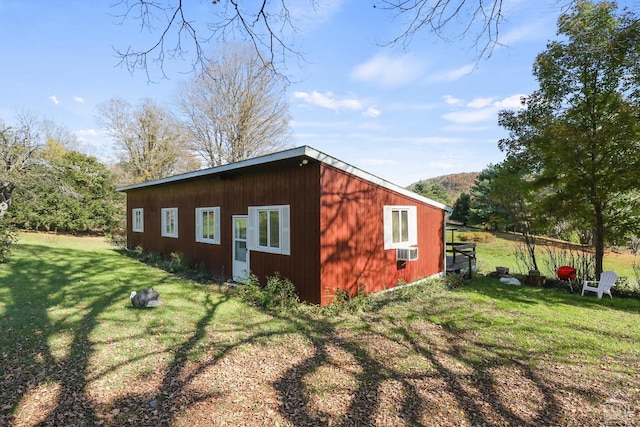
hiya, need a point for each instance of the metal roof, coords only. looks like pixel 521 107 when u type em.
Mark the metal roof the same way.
pixel 303 151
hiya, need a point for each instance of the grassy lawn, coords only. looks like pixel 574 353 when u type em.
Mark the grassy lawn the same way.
pixel 498 250
pixel 74 352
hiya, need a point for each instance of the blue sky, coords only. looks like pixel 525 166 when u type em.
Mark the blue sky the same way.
pixel 401 114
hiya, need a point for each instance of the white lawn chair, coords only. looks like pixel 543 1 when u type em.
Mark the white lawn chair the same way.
pixel 607 280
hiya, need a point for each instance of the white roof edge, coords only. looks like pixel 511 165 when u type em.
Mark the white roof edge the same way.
pixel 304 150
pixel 339 164
pixel 281 155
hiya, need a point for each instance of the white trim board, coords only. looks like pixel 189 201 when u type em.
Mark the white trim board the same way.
pixel 302 151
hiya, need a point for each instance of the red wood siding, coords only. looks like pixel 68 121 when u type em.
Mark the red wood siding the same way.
pixel 336 220
pixel 352 251
pixel 279 184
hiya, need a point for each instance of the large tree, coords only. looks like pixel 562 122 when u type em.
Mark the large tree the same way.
pixel 20 146
pixel 151 145
pixel 66 191
pixel 580 131
pixel 235 109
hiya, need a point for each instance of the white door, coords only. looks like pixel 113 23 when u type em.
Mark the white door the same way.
pixel 240 251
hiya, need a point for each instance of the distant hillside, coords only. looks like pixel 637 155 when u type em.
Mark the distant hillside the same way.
pixel 453 184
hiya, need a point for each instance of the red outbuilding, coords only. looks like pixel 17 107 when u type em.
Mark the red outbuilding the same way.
pixel 322 223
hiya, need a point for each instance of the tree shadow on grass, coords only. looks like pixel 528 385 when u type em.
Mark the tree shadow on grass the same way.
pixel 53 303
pixel 44 278
pixel 399 368
pixel 465 378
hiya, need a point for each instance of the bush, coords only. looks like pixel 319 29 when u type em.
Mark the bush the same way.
pixel 117 238
pixel 279 294
pixel 138 252
pixel 177 263
pixel 626 288
pixel 343 301
pixel 453 281
pixel 8 236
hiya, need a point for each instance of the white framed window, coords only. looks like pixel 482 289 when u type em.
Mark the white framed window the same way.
pixel 268 229
pixel 400 226
pixel 169 222
pixel 208 225
pixel 137 220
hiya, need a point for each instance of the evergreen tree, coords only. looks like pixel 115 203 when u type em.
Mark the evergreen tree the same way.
pixel 461 209
pixel 68 191
pixel 432 191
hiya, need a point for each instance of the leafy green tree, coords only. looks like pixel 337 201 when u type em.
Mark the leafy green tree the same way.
pixel 432 191
pixel 20 146
pixel 579 132
pixel 67 191
pixel 505 199
pixel 461 209
pixel 19 153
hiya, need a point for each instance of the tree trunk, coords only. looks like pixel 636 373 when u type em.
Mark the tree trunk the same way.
pixel 598 240
pixel 6 189
pixel 530 240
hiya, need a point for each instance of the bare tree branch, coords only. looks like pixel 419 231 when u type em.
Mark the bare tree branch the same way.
pixel 173 18
pixel 240 113
pixel 437 17
pixel 267 28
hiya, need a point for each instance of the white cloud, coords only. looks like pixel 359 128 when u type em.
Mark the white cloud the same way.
pixel 468 128
pixel 78 99
pixel 54 99
pixel 329 100
pixel 451 100
pixel 311 18
pixel 480 103
pixel 451 75
pixel 438 140
pixel 372 112
pixel 511 102
pixel 389 71
pixel 482 109
pixel 531 31
pixel 86 134
pixel 318 124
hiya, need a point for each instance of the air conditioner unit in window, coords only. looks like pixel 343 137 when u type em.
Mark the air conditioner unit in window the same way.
pixel 406 254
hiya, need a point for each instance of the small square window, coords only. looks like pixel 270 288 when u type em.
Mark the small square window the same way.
pixel 169 222
pixel 400 226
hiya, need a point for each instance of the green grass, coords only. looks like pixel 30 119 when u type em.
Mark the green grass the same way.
pixel 68 329
pixel 64 304
pixel 497 249
pixel 547 323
